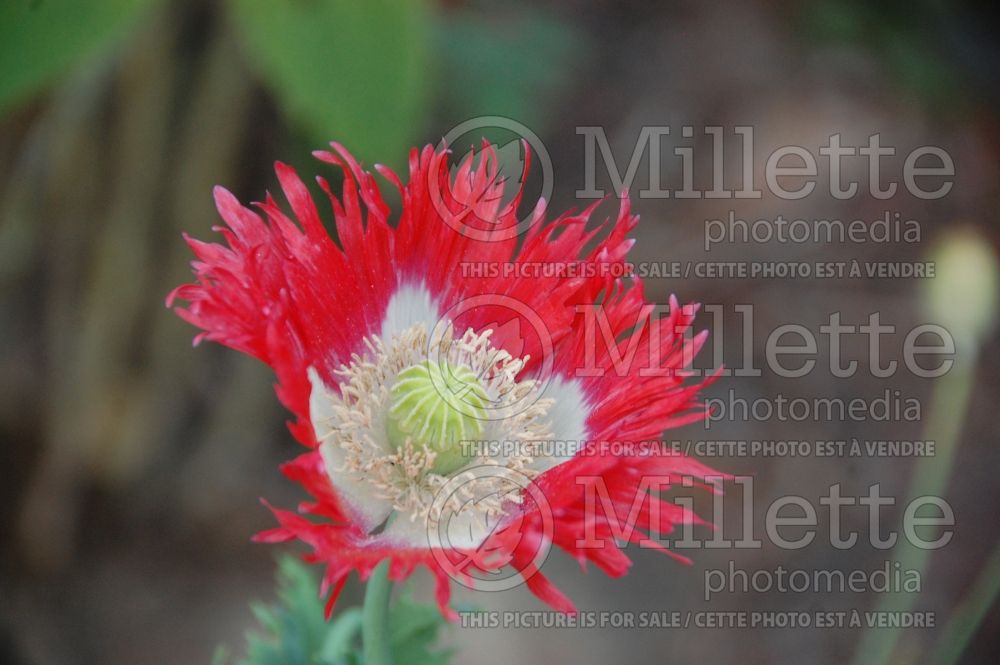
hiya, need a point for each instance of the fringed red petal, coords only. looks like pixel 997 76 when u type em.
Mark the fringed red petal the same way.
pixel 280 289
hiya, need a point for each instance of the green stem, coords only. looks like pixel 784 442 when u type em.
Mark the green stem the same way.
pixel 949 403
pixel 968 616
pixel 375 624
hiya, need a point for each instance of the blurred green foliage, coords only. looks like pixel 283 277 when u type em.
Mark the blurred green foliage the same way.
pixel 896 33
pixel 40 40
pixel 354 70
pixel 516 66
pixel 294 632
pixel 365 73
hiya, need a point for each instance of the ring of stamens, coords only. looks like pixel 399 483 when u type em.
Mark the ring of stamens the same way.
pixel 404 471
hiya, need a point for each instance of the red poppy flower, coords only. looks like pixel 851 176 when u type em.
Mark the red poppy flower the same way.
pixel 397 345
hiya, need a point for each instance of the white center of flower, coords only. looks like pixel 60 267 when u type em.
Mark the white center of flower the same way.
pixel 414 411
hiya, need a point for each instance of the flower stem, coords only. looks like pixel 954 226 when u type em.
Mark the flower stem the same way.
pixel 375 624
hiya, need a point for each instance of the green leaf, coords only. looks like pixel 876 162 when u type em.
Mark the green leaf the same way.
pixel 340 638
pixel 41 40
pixel 346 70
pixel 294 632
pixel 415 631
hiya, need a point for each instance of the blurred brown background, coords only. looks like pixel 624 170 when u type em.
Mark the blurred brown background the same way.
pixel 132 464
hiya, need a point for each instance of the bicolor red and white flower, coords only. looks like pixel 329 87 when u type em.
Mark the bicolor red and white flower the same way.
pixel 358 329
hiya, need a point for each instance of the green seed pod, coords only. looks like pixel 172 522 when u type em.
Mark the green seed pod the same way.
pixel 438 406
